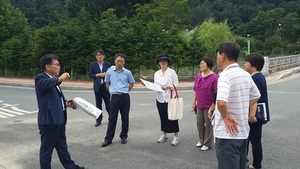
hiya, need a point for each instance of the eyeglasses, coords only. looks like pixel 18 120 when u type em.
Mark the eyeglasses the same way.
pixel 57 64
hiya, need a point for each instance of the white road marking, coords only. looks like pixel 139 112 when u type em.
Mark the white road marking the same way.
pixel 23 111
pixel 284 92
pixel 3 117
pixel 6 114
pixel 9 105
pixel 10 111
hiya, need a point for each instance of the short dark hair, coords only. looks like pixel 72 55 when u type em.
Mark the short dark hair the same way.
pixel 256 60
pixel 47 59
pixel 209 62
pixel 120 55
pixel 101 51
pixel 230 49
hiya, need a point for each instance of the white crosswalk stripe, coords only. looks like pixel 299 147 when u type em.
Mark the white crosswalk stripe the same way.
pixel 10 110
pixel 23 111
pixel 5 115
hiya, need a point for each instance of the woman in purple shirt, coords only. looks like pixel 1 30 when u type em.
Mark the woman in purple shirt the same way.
pixel 205 91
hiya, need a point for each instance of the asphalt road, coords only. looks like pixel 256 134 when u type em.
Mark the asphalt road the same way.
pixel 19 137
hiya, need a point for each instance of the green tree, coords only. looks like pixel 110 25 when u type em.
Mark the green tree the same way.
pixel 75 43
pixel 289 27
pixel 274 45
pixel 46 41
pixel 41 12
pixel 210 34
pixel 13 26
pixel 123 8
pixel 265 24
pixel 12 21
pixel 170 12
pixel 200 12
pixel 175 44
pixel 157 28
pixel 108 34
pixel 137 45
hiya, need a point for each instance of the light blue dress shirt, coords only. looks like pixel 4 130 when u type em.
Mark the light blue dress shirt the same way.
pixel 118 81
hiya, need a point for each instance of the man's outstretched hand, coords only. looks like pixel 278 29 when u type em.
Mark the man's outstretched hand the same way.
pixel 231 125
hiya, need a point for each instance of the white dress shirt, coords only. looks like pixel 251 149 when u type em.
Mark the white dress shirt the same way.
pixel 169 77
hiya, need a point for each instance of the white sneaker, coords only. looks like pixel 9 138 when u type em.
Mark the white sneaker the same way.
pixel 175 141
pixel 198 144
pixel 162 139
pixel 204 148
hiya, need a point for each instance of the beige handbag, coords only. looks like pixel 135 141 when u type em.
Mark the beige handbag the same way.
pixel 175 106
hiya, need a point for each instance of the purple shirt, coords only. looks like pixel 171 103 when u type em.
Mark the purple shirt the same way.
pixel 205 89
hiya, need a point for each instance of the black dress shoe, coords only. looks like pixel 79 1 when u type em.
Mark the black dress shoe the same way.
pixel 124 141
pixel 106 143
pixel 98 123
pixel 79 167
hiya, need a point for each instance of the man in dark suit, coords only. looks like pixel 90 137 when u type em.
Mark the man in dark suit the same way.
pixel 97 72
pixel 52 113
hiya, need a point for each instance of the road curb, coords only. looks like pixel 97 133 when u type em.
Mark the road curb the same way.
pixel 270 78
pixel 289 73
pixel 83 88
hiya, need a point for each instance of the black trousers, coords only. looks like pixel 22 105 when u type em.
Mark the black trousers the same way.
pixel 54 136
pixel 255 140
pixel 166 125
pixel 118 103
pixel 102 94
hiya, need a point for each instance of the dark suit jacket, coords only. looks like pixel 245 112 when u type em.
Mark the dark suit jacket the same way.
pixel 49 100
pixel 94 69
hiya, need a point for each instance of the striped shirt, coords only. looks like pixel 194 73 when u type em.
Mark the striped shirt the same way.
pixel 236 88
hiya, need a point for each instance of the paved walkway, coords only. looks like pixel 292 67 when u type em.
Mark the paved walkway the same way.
pixel 88 85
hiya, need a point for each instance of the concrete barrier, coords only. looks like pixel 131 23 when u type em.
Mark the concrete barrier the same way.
pixel 280 63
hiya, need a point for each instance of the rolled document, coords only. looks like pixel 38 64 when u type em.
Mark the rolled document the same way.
pixel 87 107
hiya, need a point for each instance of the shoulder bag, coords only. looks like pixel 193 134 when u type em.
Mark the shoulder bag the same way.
pixel 175 106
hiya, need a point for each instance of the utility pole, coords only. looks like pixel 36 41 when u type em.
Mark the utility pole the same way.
pixel 248 40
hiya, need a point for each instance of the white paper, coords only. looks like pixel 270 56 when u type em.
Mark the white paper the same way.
pixel 87 107
pixel 152 86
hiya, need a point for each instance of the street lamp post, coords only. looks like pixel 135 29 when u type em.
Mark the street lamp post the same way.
pixel 248 40
pixel 279 32
pixel 279 27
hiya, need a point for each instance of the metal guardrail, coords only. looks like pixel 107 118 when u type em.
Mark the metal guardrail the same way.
pixel 271 65
pixel 284 62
